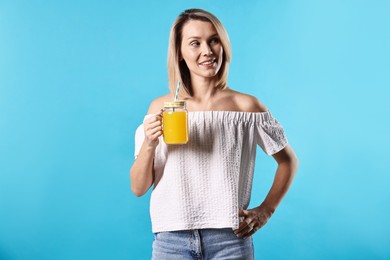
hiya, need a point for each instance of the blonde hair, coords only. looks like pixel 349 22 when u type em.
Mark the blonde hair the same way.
pixel 178 70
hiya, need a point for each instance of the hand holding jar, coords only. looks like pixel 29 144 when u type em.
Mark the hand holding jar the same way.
pixel 153 129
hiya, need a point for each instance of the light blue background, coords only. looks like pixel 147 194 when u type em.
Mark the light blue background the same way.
pixel 77 77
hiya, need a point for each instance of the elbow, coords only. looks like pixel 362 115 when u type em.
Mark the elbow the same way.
pixel 137 192
pixel 294 163
pixel 291 161
pixel 295 160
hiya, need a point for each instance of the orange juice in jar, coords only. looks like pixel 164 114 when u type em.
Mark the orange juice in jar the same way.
pixel 175 125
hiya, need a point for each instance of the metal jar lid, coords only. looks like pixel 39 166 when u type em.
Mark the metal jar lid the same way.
pixel 175 104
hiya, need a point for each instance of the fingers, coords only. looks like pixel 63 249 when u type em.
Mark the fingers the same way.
pixel 243 224
pixel 153 125
pixel 243 213
pixel 155 118
pixel 156 135
pixel 253 220
pixel 245 227
pixel 153 128
pixel 251 232
pixel 243 231
pixel 150 126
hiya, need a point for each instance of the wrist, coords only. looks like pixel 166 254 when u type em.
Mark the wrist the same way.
pixel 268 207
pixel 149 148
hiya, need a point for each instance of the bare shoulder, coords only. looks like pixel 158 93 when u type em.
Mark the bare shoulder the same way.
pixel 246 102
pixel 158 103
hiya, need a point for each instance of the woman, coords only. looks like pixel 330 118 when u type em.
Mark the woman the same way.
pixel 202 189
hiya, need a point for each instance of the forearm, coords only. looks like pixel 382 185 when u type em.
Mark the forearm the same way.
pixel 141 173
pixel 284 176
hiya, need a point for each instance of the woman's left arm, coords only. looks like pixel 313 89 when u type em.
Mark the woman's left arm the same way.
pixel 257 217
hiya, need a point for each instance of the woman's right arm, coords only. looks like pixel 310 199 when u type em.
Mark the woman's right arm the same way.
pixel 142 173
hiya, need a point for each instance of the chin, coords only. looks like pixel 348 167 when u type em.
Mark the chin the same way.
pixel 208 74
pixel 211 73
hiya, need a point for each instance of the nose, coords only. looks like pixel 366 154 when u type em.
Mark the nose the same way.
pixel 206 50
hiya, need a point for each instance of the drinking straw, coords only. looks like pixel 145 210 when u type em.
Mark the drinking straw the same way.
pixel 177 90
pixel 177 93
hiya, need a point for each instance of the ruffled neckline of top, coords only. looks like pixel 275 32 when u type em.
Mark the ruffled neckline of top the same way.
pixel 228 115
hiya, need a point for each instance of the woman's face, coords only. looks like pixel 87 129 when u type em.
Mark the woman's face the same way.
pixel 201 48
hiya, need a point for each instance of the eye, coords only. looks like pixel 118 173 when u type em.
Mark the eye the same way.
pixel 214 40
pixel 194 43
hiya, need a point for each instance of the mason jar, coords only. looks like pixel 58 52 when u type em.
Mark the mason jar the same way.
pixel 175 122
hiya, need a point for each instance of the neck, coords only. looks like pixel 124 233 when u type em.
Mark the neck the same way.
pixel 203 89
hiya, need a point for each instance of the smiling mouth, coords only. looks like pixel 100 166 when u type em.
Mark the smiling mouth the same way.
pixel 208 62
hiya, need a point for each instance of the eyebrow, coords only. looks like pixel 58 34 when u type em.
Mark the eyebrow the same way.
pixel 198 37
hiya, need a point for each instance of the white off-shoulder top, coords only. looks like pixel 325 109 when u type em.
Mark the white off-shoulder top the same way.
pixel 205 182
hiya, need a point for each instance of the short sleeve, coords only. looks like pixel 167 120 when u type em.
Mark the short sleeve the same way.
pixel 139 139
pixel 269 133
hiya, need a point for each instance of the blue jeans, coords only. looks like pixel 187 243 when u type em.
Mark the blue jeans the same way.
pixel 201 244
